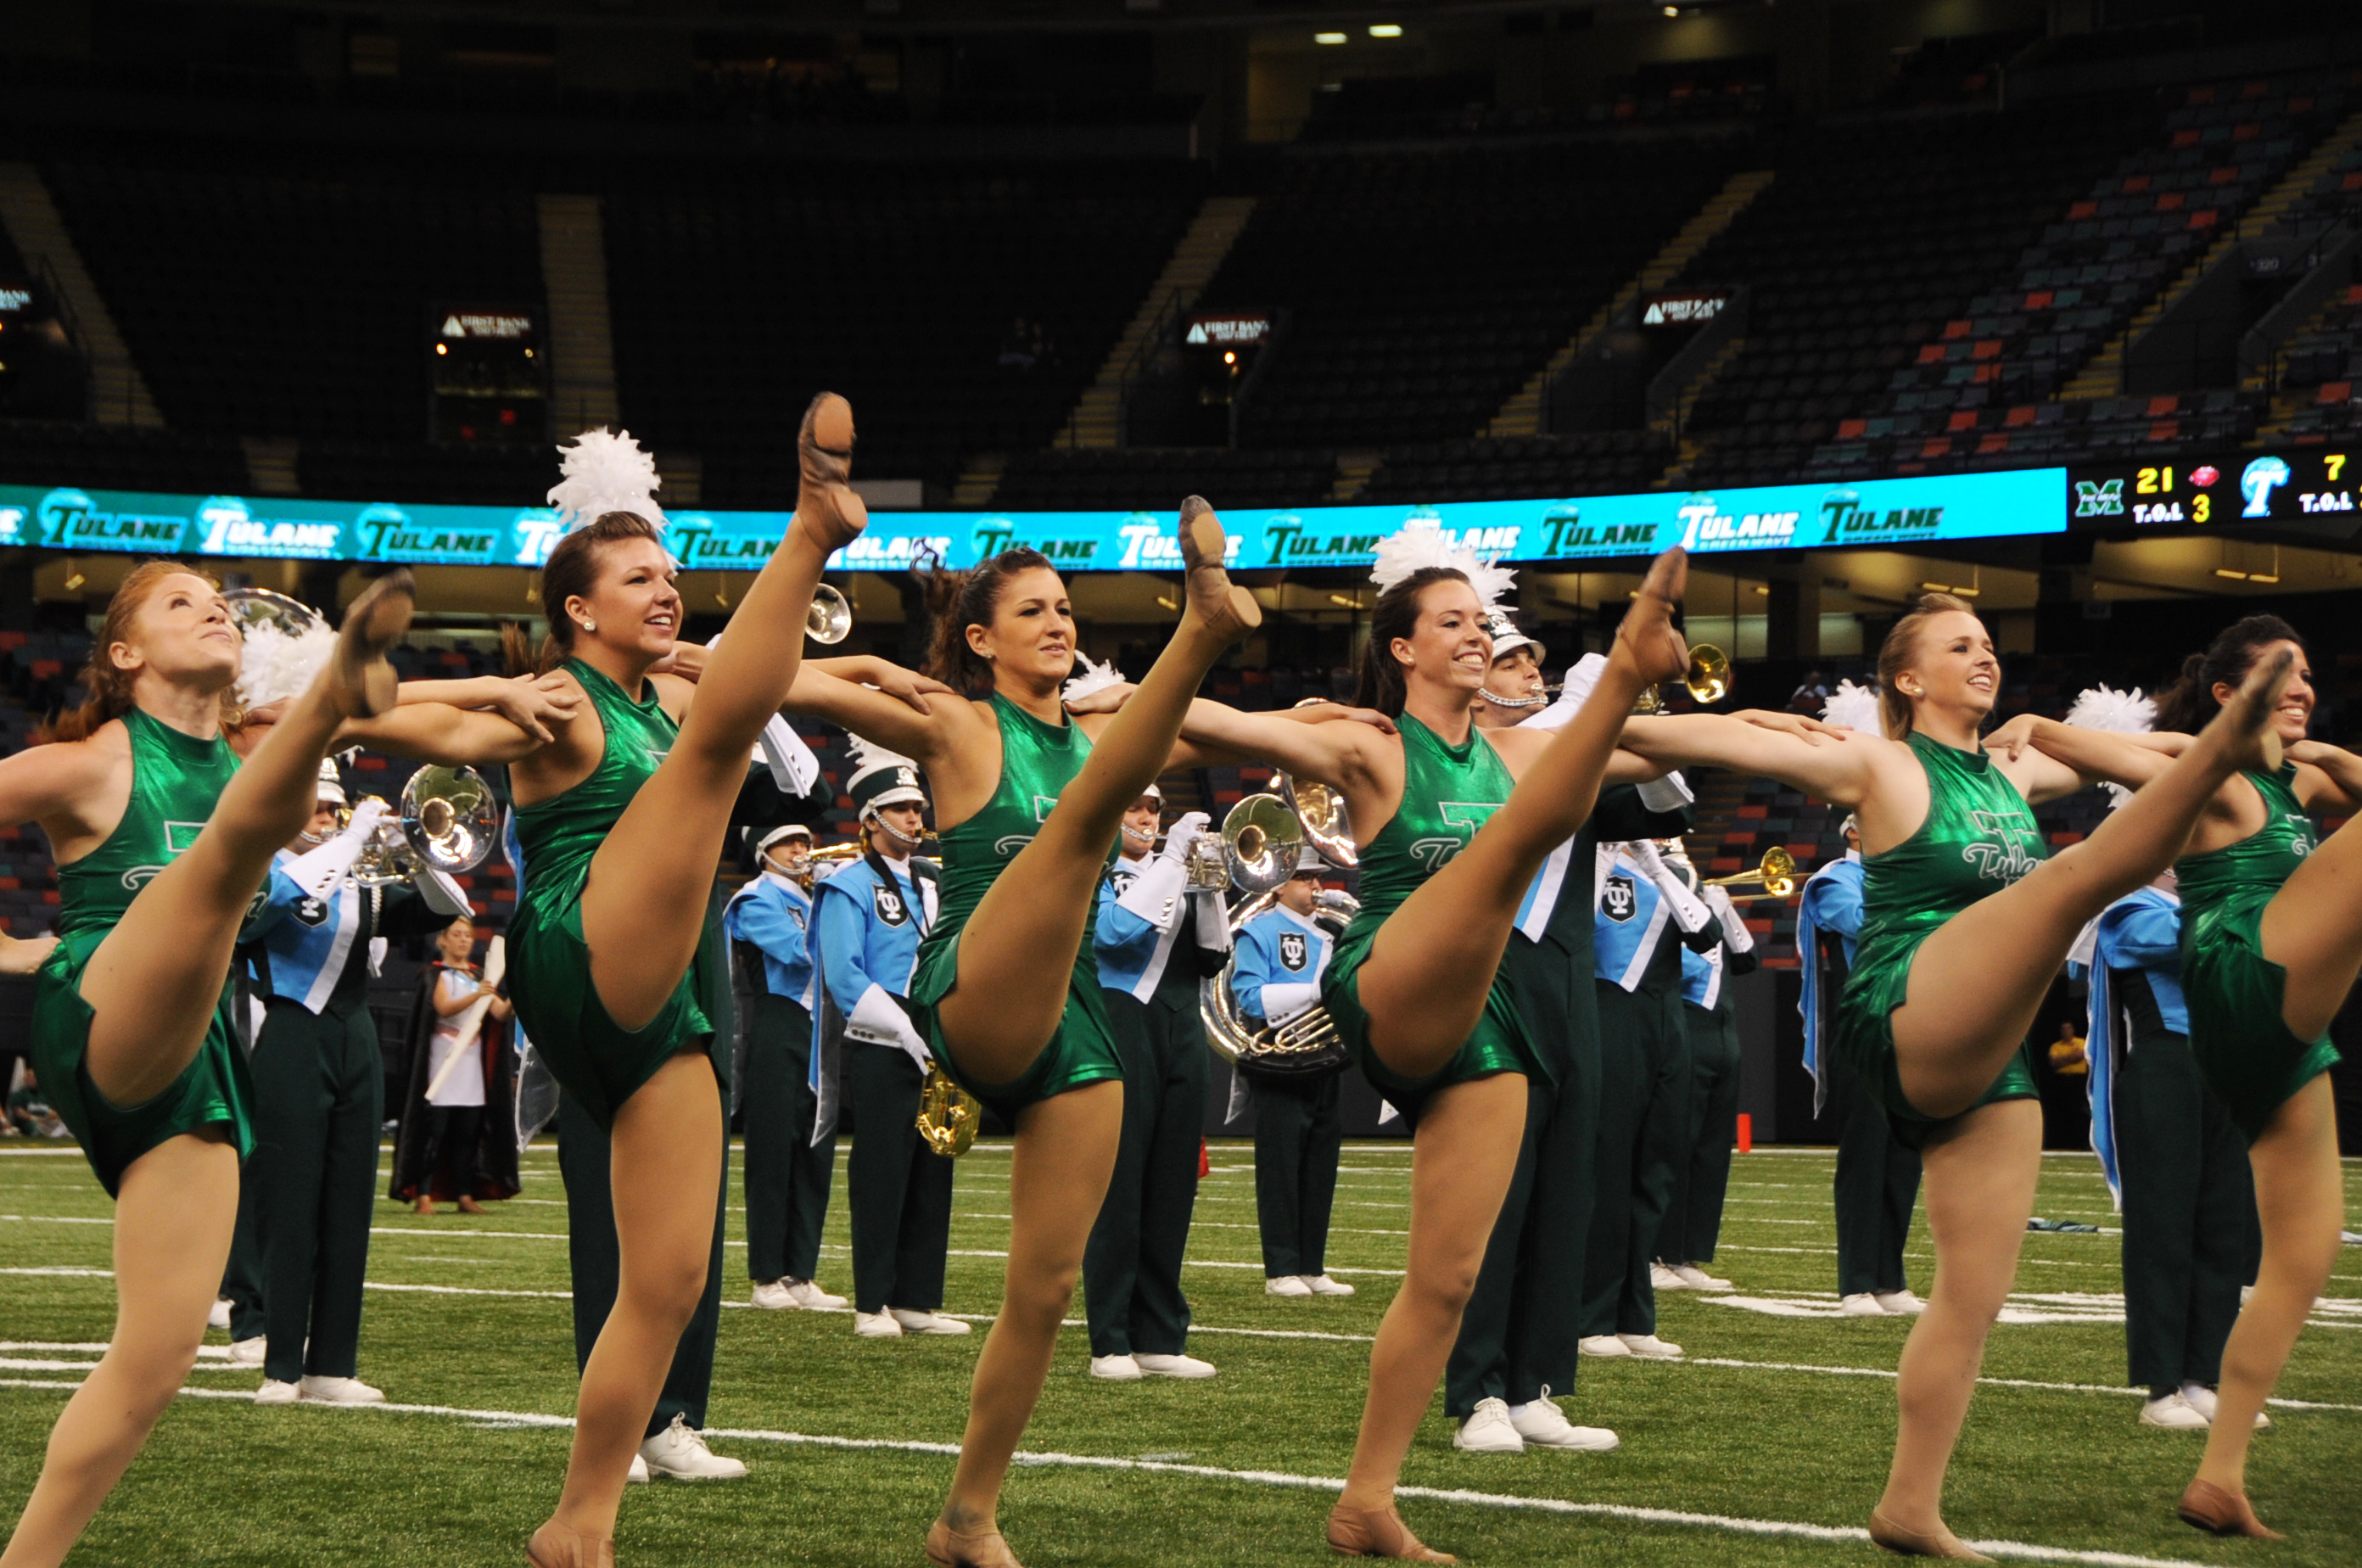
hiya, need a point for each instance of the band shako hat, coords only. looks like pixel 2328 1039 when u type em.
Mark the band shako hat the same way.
pixel 785 830
pixel 882 779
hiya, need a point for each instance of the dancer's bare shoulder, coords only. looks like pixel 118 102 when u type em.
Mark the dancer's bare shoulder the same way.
pixel 77 790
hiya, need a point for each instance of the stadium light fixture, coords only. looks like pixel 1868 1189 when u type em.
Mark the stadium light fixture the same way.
pixel 1672 11
pixel 1386 29
pixel 2271 576
pixel 1169 602
pixel 1327 38
pixel 1347 601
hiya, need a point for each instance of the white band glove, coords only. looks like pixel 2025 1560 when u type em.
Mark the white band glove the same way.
pixel 1213 920
pixel 1689 910
pixel 1182 835
pixel 1734 928
pixel 876 1021
pixel 1670 793
pixel 1284 999
pixel 317 871
pixel 1155 891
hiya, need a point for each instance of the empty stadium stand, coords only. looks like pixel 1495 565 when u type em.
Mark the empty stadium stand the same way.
pixel 1087 479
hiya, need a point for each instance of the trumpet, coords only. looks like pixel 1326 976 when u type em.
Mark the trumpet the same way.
pixel 850 850
pixel 446 822
pixel 831 616
pixel 1707 680
pixel 1777 873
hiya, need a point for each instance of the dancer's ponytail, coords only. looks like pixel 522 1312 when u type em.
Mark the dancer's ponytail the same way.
pixel 2189 702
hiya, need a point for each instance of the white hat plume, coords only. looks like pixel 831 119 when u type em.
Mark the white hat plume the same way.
pixel 2102 707
pixel 1852 707
pixel 1421 544
pixel 605 473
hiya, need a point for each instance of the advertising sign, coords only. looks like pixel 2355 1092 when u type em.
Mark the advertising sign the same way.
pixel 1865 512
pixel 2302 491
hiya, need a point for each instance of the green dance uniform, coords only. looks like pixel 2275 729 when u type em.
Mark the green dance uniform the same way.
pixel 2244 1050
pixel 595 1059
pixel 1449 792
pixel 1979 838
pixel 1037 761
pixel 175 782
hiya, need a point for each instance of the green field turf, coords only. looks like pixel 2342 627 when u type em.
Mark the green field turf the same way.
pixel 1785 1441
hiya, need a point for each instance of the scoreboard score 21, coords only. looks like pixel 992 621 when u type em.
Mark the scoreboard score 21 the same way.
pixel 2308 493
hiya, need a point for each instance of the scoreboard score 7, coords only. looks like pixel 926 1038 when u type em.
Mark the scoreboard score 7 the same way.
pixel 2305 491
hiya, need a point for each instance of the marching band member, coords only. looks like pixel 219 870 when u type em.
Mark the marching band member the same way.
pixel 2271 941
pixel 1965 925
pixel 319 1095
pixel 1031 802
pixel 1877 1181
pixel 1154 939
pixel 1693 1220
pixel 868 920
pixel 1298 1128
pixel 1515 1355
pixel 789 1171
pixel 2176 1160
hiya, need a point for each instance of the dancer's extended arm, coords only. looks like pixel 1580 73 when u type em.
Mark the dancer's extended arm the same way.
pixel 1842 770
pixel 447 736
pixel 2328 777
pixel 2093 756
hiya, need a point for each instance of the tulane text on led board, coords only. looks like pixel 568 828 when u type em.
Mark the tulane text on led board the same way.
pixel 1798 517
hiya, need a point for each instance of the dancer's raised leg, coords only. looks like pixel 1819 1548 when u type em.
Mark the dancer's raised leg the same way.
pixel 1424 981
pixel 1008 998
pixel 644 905
pixel 155 980
pixel 1981 1171
pixel 1978 981
pixel 2312 929
pixel 1066 1150
pixel 173 1222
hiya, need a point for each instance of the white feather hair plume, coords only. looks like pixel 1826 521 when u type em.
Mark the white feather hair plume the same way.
pixel 869 756
pixel 1089 678
pixel 1421 544
pixel 2104 707
pixel 1855 707
pixel 605 473
pixel 276 666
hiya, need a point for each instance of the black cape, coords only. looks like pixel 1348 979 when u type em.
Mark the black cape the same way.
pixel 492 1168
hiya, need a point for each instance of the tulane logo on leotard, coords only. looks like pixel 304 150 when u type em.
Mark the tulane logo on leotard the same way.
pixel 2299 832
pixel 2003 859
pixel 178 838
pixel 1432 854
pixel 1009 843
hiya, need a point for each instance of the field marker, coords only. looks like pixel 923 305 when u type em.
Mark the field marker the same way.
pixel 2022 1551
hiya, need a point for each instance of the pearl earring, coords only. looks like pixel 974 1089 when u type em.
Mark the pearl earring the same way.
pixel 589 626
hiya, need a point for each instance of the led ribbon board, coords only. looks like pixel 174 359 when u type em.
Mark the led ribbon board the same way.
pixel 1857 513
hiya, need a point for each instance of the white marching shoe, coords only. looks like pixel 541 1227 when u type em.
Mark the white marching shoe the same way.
pixel 1697 1278
pixel 1321 1285
pixel 638 1475
pixel 338 1391
pixel 249 1352
pixel 1861 1304
pixel 773 1296
pixel 1173 1365
pixel 876 1325
pixel 1541 1423
pixel 1603 1345
pixel 1286 1284
pixel 1900 1303
pixel 811 1297
pixel 928 1322
pixel 1487 1431
pixel 1116 1368
pixel 680 1453
pixel 274 1392
pixel 218 1317
pixel 1649 1347
pixel 2202 1400
pixel 2175 1412
pixel 1661 1277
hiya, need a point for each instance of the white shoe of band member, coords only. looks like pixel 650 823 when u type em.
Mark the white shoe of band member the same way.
pixel 876 1325
pixel 338 1391
pixel 1487 1431
pixel 1173 1365
pixel 1697 1278
pixel 773 1296
pixel 1541 1423
pixel 1603 1345
pixel 1650 1347
pixel 1660 1277
pixel 1286 1285
pixel 2176 1412
pixel 1861 1304
pixel 1116 1368
pixel 1900 1303
pixel 219 1317
pixel 928 1322
pixel 274 1392
pixel 2202 1400
pixel 680 1453
pixel 1321 1285
pixel 810 1297
pixel 638 1475
pixel 249 1352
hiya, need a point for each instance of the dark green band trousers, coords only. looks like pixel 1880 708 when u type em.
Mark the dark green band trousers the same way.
pixel 1694 1217
pixel 900 1190
pixel 788 1177
pixel 1644 1122
pixel 1876 1184
pixel 1131 1265
pixel 1299 1130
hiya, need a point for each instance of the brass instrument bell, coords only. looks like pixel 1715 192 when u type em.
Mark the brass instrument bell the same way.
pixel 949 1116
pixel 1777 873
pixel 830 619
pixel 1709 675
pixel 1261 839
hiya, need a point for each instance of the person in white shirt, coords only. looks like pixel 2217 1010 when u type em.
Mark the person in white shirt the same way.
pixel 455 1099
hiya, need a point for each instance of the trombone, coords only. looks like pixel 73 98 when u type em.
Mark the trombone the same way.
pixel 1777 873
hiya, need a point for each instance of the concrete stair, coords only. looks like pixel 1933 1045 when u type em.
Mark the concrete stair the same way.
pixel 270 464
pixel 1353 471
pixel 978 481
pixel 1690 447
pixel 1523 415
pixel 33 221
pixel 581 331
pixel 1098 418
pixel 2103 373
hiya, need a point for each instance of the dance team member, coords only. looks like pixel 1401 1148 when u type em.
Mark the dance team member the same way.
pixel 869 920
pixel 162 838
pixel 1413 985
pixel 1965 925
pixel 788 1172
pixel 1877 1181
pixel 1299 1126
pixel 2271 940
pixel 1028 806
pixel 1154 939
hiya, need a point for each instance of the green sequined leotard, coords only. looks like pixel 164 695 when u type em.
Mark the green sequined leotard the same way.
pixel 1980 836
pixel 595 1059
pixel 1449 792
pixel 2245 1051
pixel 175 782
pixel 1037 761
